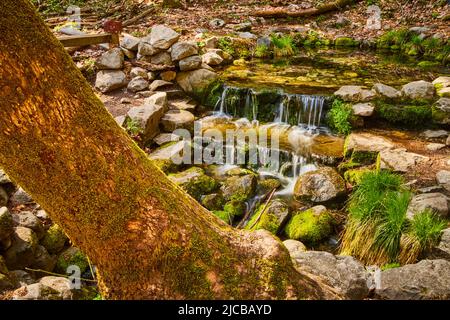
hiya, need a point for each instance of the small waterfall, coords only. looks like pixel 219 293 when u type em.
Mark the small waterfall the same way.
pixel 278 107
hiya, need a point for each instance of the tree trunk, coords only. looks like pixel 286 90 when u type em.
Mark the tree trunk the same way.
pixel 148 238
pixel 283 13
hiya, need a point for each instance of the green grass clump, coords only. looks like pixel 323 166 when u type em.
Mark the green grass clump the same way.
pixel 262 51
pixel 378 231
pixel 283 46
pixel 339 117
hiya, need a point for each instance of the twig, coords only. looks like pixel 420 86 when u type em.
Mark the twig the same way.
pixel 131 21
pixel 264 208
pixel 90 268
pixel 58 274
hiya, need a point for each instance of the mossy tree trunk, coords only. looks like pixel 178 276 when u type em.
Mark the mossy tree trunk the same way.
pixel 148 238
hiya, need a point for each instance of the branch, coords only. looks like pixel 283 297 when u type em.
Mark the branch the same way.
pixel 283 13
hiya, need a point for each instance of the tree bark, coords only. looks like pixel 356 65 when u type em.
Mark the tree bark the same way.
pixel 148 238
pixel 283 13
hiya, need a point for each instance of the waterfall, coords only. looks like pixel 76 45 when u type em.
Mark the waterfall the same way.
pixel 300 110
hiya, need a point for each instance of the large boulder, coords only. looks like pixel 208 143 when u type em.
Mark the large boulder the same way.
pixel 176 119
pixel 343 273
pixel 211 58
pixel 146 119
pixel 399 160
pixel 385 91
pixel 196 81
pixel 443 178
pixel 320 185
pixel 310 226
pixel 354 94
pixel 21 254
pixel 366 142
pixel 190 63
pixel 363 109
pixel 112 59
pixel 130 42
pixel 239 187
pixel 437 202
pixel 162 37
pixel 441 111
pixel 270 217
pixel 422 90
pixel 425 280
pixel 181 50
pixel 109 80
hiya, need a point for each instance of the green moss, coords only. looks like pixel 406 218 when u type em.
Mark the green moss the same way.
pixel 415 116
pixel 262 51
pixel 354 176
pixel 363 157
pixel 267 185
pixel 235 208
pixel 195 182
pixel 213 201
pixel 226 216
pixel 210 95
pixel 427 64
pixel 439 116
pixel 346 42
pixel 54 239
pixel 71 256
pixel 390 266
pixel 165 165
pixel 267 221
pixel 309 227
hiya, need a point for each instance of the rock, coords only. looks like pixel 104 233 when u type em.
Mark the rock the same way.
pixel 162 37
pixel 21 278
pixel 399 160
pixel 294 247
pixel 157 99
pixel 366 142
pixel 5 283
pixel 272 219
pixel 264 41
pixel 6 223
pixel 441 82
pixel 162 58
pixel 437 202
pixel 212 59
pixel 216 23
pixel 386 91
pixel 29 220
pixel 245 26
pixel 128 53
pixel 71 257
pixel 213 201
pixel 151 75
pixel 130 42
pixel 138 72
pixel 109 80
pixel 36 291
pixel 146 49
pixel 3 197
pixel 354 94
pixel 418 90
pixel 343 273
pixel 146 119
pixel 425 280
pixel 186 104
pixel 20 197
pixel 246 35
pixel 137 84
pixel 22 251
pixel 443 178
pixel 167 157
pixel 435 146
pixel 447 141
pixel 310 226
pixel 239 187
pixel 4 179
pixel 181 50
pixel 363 109
pixel 112 60
pixel 54 239
pixel 419 30
pixel 320 185
pixel 434 134
pixel 3 267
pixel 168 75
pixel 42 260
pixel 211 43
pixel 441 111
pixel 163 138
pixel 442 250
pixel 175 119
pixel 196 81
pixel 195 182
pixel 156 84
pixel 190 63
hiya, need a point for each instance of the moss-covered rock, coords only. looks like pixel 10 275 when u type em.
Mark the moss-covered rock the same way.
pixel 353 176
pixel 310 226
pixel 6 223
pixel 346 42
pixel 195 182
pixel 441 111
pixel 235 208
pixel 272 219
pixel 213 201
pixel 54 239
pixel 69 257
pixel 268 185
pixel 407 115
pixel 239 187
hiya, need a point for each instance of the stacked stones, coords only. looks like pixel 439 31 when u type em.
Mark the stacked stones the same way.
pixel 29 240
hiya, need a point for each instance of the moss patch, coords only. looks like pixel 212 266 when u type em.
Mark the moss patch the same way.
pixel 309 227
